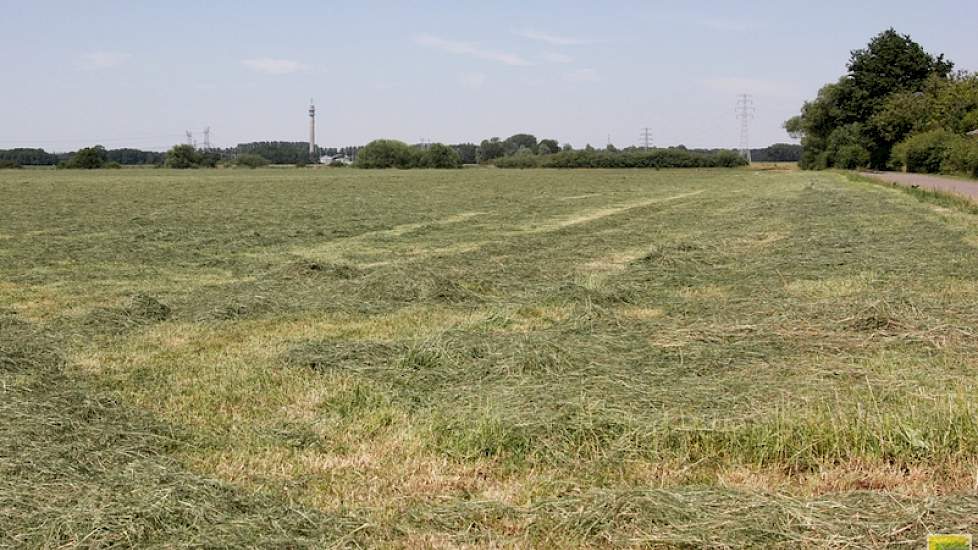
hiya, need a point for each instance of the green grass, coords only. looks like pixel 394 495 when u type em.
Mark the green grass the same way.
pixel 484 357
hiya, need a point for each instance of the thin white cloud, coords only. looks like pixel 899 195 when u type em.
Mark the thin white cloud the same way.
pixel 552 57
pixel 748 85
pixel 93 61
pixel 582 75
pixel 269 65
pixel 472 81
pixel 472 50
pixel 552 39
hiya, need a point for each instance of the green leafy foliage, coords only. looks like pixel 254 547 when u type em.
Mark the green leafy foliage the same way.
pixel 871 104
pixel 653 158
pixel 925 152
pixel 26 156
pixel 88 158
pixel 962 157
pixel 491 149
pixel 183 156
pixel 468 153
pixel 251 160
pixel 277 152
pixel 439 155
pixel 388 153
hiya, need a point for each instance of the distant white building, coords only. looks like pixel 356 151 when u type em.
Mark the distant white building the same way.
pixel 336 159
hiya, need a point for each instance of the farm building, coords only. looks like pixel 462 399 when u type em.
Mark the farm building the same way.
pixel 336 159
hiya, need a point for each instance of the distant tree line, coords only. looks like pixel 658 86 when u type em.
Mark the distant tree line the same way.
pixel 40 157
pixel 30 157
pixel 897 107
pixel 672 157
pixel 278 152
pixel 779 152
pixel 379 154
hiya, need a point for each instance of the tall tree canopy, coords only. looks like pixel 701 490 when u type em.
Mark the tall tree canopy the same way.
pixel 840 126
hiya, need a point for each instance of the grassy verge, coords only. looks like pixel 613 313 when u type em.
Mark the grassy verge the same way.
pixel 944 199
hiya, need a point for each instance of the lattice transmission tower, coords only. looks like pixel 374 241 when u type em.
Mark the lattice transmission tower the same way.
pixel 745 113
pixel 645 138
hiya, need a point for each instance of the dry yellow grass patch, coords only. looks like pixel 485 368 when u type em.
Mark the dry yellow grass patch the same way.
pixel 755 243
pixel 639 313
pixel 972 240
pixel 831 287
pixel 536 318
pixel 389 472
pixel 705 292
pixel 221 375
pixel 361 244
pixel 913 481
pixel 596 214
pixel 36 303
pixel 616 261
pixel 578 197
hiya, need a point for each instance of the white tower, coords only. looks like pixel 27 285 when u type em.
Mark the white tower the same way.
pixel 312 131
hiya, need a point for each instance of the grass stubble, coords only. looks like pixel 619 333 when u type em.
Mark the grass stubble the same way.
pixel 543 358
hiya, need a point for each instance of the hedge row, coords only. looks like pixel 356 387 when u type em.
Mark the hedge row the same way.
pixel 937 151
pixel 653 158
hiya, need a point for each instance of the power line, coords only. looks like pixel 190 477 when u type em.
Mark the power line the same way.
pixel 745 113
pixel 92 140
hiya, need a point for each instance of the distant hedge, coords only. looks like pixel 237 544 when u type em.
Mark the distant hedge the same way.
pixel 653 158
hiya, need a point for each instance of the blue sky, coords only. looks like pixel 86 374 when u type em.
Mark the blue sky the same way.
pixel 139 74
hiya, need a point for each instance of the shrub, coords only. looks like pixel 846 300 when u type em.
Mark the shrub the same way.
pixel 519 161
pixel 251 160
pixel 962 156
pixel 112 165
pixel 924 152
pixel 88 158
pixel 853 156
pixel 183 156
pixel 8 164
pixel 388 153
pixel 440 156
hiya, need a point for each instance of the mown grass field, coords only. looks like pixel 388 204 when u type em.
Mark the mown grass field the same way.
pixel 483 357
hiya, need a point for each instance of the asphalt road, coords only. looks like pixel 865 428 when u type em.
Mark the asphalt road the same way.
pixel 928 181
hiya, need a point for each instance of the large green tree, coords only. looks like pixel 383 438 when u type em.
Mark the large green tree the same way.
pixel 491 149
pixel 88 158
pixel 388 153
pixel 183 156
pixel 516 142
pixel 841 117
pixel 468 153
pixel 439 155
